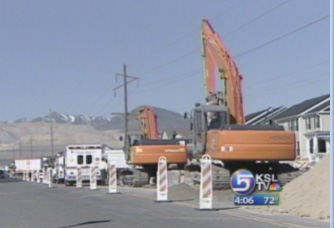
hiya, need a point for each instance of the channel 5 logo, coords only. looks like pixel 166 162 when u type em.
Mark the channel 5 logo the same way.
pixel 242 182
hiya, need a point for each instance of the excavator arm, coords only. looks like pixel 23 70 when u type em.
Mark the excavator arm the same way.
pixel 148 120
pixel 216 56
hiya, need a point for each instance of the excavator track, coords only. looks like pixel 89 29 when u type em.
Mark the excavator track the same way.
pixel 134 178
pixel 220 178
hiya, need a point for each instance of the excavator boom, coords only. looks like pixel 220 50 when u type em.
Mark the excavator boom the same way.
pixel 219 126
pixel 216 55
pixel 148 120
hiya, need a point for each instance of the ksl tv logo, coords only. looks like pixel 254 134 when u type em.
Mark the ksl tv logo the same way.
pixel 243 182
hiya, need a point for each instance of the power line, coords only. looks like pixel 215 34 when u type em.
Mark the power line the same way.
pixel 186 34
pixel 289 73
pixel 243 53
pixel 235 5
pixel 152 86
pixel 288 85
pixel 171 61
pixel 163 47
pixel 104 93
pixel 281 37
pixel 255 19
pixel 167 84
pixel 176 77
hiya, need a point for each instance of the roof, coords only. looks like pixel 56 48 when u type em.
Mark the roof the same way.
pixel 321 107
pixel 254 114
pixel 301 107
pixel 264 116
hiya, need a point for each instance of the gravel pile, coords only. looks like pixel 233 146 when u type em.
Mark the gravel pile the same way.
pixel 307 195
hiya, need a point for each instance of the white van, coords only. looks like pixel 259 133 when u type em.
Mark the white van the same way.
pixel 83 156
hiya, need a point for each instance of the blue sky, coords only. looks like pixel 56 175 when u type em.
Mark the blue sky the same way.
pixel 63 55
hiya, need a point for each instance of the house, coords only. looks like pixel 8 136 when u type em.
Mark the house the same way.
pixel 181 133
pixel 310 120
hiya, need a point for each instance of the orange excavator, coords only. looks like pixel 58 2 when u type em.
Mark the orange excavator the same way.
pixel 146 151
pixel 218 127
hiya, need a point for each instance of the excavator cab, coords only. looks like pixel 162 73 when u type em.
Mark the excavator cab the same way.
pixel 204 118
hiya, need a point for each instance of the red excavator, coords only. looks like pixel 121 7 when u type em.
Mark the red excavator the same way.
pixel 145 152
pixel 218 127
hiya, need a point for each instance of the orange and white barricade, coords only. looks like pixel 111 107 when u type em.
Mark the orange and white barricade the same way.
pixel 112 179
pixel 38 176
pixel 24 176
pixel 79 178
pixel 92 182
pixel 46 173
pixel 34 174
pixel 162 180
pixel 44 176
pixel 49 174
pixel 206 191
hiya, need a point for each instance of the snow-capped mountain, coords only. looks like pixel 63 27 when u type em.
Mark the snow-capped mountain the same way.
pixel 166 119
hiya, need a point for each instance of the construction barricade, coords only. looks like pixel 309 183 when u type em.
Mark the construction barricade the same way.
pixel 49 174
pixel 38 176
pixel 162 180
pixel 79 178
pixel 206 191
pixel 112 179
pixel 93 181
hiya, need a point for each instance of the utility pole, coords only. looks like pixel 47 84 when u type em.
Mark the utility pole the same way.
pixel 51 132
pixel 20 149
pixel 126 114
pixel 14 152
pixel 30 146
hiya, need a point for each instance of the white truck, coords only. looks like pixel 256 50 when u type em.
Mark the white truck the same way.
pixel 115 156
pixel 59 168
pixel 27 164
pixel 83 156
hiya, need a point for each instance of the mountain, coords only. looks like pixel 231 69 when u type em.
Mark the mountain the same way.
pixel 24 137
pixel 166 119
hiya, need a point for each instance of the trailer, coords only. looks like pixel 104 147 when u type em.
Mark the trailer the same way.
pixel 27 165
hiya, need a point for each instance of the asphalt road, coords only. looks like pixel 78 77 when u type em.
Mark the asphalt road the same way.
pixel 32 205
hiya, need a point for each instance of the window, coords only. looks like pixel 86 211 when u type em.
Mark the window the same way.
pixel 308 123
pixel 293 125
pixel 317 122
pixel 89 159
pixel 80 159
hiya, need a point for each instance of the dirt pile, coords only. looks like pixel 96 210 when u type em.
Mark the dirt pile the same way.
pixel 182 192
pixel 307 195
